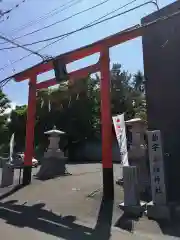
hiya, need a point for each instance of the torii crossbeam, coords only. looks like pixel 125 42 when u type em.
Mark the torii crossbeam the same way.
pixel 102 65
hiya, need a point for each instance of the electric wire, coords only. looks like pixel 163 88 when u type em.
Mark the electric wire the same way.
pixel 94 21
pixel 49 44
pixel 23 47
pixel 84 27
pixel 53 12
pixel 62 20
pixel 6 80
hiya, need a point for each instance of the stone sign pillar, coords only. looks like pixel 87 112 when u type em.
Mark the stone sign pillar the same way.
pixel 53 163
pixel 157 208
pixel 156 167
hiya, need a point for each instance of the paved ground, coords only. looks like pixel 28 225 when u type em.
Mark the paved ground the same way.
pixel 62 209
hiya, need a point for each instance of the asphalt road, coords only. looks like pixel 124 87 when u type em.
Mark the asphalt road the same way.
pixel 70 207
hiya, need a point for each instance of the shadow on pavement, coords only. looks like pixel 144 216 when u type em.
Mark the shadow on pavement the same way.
pixel 11 192
pixel 126 222
pixel 171 228
pixel 38 218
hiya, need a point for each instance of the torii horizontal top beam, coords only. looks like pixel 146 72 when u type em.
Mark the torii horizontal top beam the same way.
pixel 85 51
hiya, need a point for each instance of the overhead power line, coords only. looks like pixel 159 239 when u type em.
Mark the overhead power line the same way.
pixel 94 21
pixel 26 56
pixel 137 27
pixel 20 46
pixel 59 39
pixel 51 13
pixel 84 27
pixel 62 20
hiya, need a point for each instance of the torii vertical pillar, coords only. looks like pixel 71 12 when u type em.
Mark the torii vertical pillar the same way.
pixel 29 151
pixel 108 179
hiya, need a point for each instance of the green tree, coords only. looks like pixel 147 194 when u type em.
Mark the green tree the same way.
pixel 139 95
pixel 121 92
pixel 139 82
pixel 4 102
pixel 127 93
pixel 4 105
pixel 17 125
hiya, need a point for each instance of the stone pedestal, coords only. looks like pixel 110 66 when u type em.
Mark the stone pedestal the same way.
pixel 158 212
pixel 55 154
pixel 7 175
pixel 136 210
pixel 131 204
pixel 52 167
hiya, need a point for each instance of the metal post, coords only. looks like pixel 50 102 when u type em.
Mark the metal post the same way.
pixel 29 151
pixel 108 179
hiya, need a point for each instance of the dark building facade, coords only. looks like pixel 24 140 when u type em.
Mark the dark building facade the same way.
pixel 161 50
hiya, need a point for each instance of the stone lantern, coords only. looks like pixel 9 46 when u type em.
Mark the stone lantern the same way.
pixel 53 148
pixel 137 152
pixel 53 163
pixel 138 129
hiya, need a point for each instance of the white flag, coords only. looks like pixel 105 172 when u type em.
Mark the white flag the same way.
pixel 11 147
pixel 120 131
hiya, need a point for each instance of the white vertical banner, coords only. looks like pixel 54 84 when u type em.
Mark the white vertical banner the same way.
pixel 156 167
pixel 120 130
pixel 11 148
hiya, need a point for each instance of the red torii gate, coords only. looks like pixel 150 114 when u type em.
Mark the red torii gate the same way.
pixel 102 65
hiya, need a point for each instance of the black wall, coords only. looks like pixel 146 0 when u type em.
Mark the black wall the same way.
pixel 161 49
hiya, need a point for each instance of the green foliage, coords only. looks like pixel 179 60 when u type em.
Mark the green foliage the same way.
pixel 127 93
pixel 139 82
pixel 17 125
pixel 4 102
pixel 4 105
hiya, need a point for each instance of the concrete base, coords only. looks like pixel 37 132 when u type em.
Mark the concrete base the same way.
pixel 136 210
pixel 7 176
pixel 158 212
pixel 51 167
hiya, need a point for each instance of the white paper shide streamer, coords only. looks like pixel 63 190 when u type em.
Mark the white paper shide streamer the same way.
pixel 120 130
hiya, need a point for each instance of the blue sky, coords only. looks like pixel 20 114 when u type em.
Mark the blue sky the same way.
pixel 128 54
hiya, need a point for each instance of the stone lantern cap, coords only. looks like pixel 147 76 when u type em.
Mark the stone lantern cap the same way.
pixel 54 132
pixel 135 121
